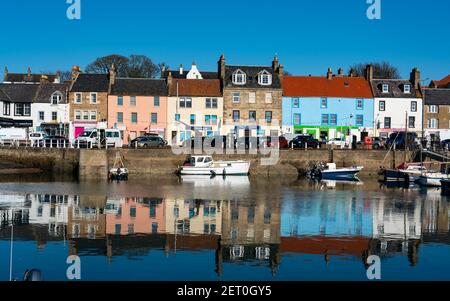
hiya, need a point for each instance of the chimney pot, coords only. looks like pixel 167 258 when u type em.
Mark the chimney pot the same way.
pixel 329 74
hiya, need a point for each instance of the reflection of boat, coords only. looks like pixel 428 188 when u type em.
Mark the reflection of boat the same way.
pixel 329 171
pixel 333 183
pixel 205 165
pixel 208 181
pixel 432 179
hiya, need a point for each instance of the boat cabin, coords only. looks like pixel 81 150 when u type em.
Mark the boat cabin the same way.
pixel 200 161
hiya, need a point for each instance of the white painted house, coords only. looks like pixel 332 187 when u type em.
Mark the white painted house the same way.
pixel 50 109
pixel 398 103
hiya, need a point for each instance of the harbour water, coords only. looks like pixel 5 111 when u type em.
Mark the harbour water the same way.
pixel 223 229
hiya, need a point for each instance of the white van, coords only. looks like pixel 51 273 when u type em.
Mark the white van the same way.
pixel 13 134
pixel 90 137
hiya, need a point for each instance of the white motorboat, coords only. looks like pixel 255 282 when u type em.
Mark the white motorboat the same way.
pixel 205 165
pixel 432 179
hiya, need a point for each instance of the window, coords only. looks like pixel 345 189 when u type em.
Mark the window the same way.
pixel 382 105
pixel 192 119
pixel 54 116
pixel 119 117
pixel 333 119
pixel 207 119
pixel 214 103
pixel 268 97
pixel 211 103
pixel 27 109
pixel 77 115
pixel 411 122
pixel 387 122
pixel 185 102
pixel 252 115
pixel 208 103
pixel 359 120
pixel 94 98
pixel 177 117
pixel 154 118
pixel 154 228
pixel 433 123
pixel 407 89
pixel 413 106
pixel 297 119
pixel 295 102
pixel 268 116
pixel 85 115
pixel 120 100
pixel 117 229
pixel 359 104
pixel 325 119
pixel 133 101
pixel 41 115
pixel 236 115
pixel 156 101
pixel 134 117
pixel 433 109
pixel 323 102
pixel 6 108
pixel 385 88
pixel 56 98
pixel 78 98
pixel 93 115
pixel 252 97
pixel 236 97
pixel 213 119
pixel 265 78
pixel 239 78
pixel 22 109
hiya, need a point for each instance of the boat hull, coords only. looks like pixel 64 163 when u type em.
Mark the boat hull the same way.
pixel 342 174
pixel 431 180
pixel 395 175
pixel 232 168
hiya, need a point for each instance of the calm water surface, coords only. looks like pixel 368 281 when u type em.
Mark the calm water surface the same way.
pixel 223 229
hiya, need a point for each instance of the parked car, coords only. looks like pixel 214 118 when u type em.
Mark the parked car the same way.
pixel 91 137
pixel 304 141
pixel 148 142
pixel 55 141
pixel 378 143
pixel 401 140
pixel 445 144
pixel 36 138
pixel 338 142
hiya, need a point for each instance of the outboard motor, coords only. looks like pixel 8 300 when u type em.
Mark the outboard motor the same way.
pixel 32 275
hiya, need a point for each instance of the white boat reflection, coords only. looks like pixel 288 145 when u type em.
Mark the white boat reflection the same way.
pixel 334 183
pixel 218 181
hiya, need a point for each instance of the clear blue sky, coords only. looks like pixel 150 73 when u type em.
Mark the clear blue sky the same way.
pixel 309 36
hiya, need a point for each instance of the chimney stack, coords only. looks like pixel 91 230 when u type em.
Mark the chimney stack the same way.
pixel 58 77
pixel 44 79
pixel 221 67
pixel 169 80
pixel 340 72
pixel 5 74
pixel 181 69
pixel 29 72
pixel 415 78
pixel 75 72
pixel 352 72
pixel 281 73
pixel 369 72
pixel 112 75
pixel 329 74
pixel 275 63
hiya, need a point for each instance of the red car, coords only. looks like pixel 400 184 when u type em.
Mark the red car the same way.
pixel 282 142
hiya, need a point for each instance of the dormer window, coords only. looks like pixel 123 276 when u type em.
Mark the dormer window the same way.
pixel 264 78
pixel 407 89
pixel 56 98
pixel 385 88
pixel 239 77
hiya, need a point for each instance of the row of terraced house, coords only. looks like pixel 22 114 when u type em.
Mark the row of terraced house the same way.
pixel 234 100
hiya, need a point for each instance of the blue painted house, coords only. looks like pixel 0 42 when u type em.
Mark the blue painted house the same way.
pixel 328 107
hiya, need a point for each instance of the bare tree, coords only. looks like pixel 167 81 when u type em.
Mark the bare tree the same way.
pixel 141 66
pixel 381 70
pixel 103 64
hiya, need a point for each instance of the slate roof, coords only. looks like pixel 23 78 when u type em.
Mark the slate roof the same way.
pixel 437 96
pixel 195 87
pixel 87 82
pixel 319 86
pixel 46 90
pixel 19 92
pixel 176 74
pixel 23 77
pixel 395 88
pixel 139 87
pixel 252 77
pixel 443 83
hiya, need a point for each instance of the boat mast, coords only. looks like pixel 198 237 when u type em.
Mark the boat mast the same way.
pixel 406 135
pixel 11 247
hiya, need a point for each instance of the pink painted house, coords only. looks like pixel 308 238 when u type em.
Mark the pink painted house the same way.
pixel 136 216
pixel 138 106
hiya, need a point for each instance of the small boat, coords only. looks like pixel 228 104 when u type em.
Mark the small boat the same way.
pixel 329 171
pixel 405 173
pixel 119 172
pixel 432 179
pixel 205 165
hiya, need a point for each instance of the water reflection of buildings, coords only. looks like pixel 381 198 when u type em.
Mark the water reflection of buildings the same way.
pixel 238 232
